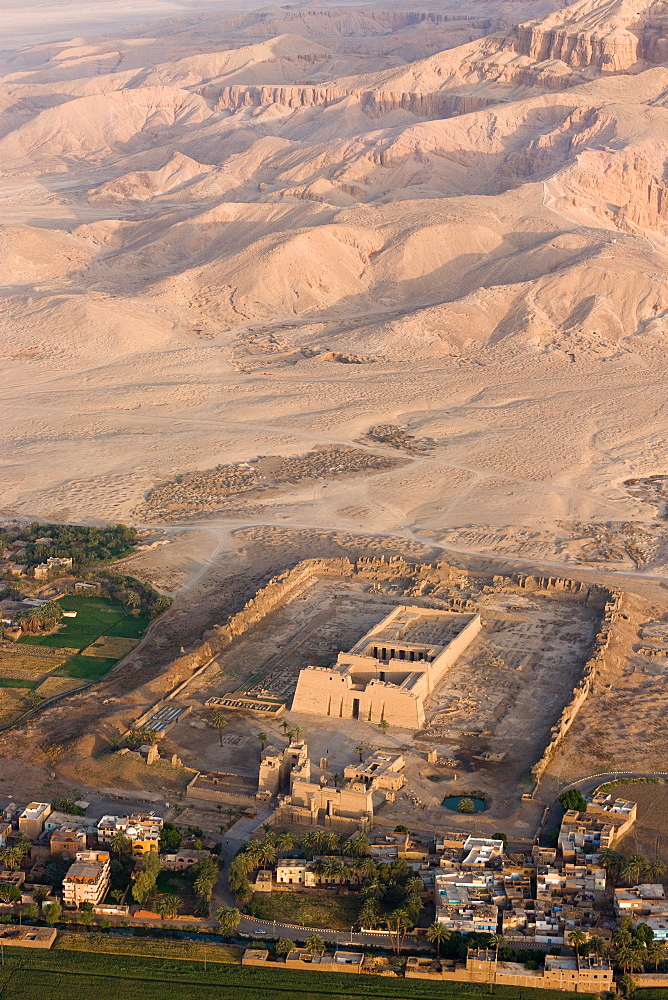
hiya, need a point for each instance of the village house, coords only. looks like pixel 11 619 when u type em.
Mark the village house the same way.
pixel 183 860
pixel 28 937
pixel 142 830
pixel 33 817
pixel 53 564
pixel 467 918
pixel 327 961
pixel 648 899
pixel 67 841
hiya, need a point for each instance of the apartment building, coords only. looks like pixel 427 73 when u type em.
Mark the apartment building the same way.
pixel 87 880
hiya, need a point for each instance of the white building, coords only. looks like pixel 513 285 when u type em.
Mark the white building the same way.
pixel 87 880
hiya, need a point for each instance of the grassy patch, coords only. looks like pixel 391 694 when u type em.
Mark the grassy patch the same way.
pixel 87 667
pixel 27 975
pixel 309 909
pixel 17 682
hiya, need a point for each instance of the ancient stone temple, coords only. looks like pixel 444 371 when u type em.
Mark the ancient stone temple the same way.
pixel 391 671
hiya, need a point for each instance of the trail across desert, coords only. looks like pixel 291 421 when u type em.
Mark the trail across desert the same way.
pixel 358 268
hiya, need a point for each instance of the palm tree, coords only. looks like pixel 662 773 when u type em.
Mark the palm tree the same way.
pixel 12 857
pixel 366 867
pixel 228 917
pixel 315 943
pixel 284 727
pixel 576 939
pixel 285 841
pixel 438 934
pixel 612 861
pixel 119 843
pixel 311 842
pixel 336 778
pixel 168 905
pixel 284 946
pixel 629 985
pixel 383 725
pixel 597 945
pixel 634 867
pixel 623 937
pixel 656 952
pixel 654 871
pixel 630 958
pixel 117 895
pixel 218 721
pixel 332 842
pixel 360 751
pixel 266 853
pixel 263 739
pixel 296 733
pixel 415 885
pixel 332 868
pixel 358 846
pixel 397 924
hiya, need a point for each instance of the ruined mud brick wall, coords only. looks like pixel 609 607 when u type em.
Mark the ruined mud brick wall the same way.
pixel 594 666
pixel 222 787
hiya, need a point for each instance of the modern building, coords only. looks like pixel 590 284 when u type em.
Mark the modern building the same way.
pixel 87 880
pixel 391 672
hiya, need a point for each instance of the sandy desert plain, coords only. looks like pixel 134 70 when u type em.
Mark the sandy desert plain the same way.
pixel 339 279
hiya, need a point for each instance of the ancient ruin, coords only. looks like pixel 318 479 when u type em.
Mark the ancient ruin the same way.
pixel 391 671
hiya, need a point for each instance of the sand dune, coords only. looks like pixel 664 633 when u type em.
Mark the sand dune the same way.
pixel 237 233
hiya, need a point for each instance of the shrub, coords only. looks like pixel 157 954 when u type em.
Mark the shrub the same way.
pixel 573 799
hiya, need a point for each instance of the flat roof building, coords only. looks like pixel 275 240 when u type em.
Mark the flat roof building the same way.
pixel 87 880
pixel 33 817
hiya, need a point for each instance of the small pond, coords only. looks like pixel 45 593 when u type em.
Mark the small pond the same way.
pixel 451 802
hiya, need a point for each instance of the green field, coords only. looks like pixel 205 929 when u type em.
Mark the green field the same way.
pixel 17 682
pixel 96 616
pixel 29 975
pixel 310 909
pixel 88 667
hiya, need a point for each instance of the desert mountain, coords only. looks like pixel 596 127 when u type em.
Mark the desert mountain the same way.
pixel 199 206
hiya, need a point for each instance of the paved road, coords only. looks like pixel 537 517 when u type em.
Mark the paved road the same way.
pixel 271 929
